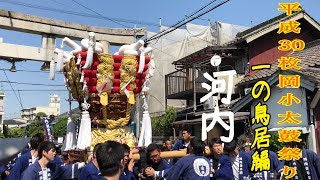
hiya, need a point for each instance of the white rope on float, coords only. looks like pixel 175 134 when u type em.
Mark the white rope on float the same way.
pixel 146 130
pixel 79 59
pixel 70 138
pixel 51 76
pixel 76 48
pixel 84 138
pixel 62 57
pixel 91 46
pixel 60 61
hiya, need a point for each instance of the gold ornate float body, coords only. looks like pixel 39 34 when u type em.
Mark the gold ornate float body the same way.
pixel 110 86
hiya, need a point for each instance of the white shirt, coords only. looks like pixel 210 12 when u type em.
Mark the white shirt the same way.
pixel 186 144
pixel 45 174
pixel 235 166
pixel 34 159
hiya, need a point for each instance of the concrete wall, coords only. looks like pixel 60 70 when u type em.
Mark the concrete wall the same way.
pixel 156 99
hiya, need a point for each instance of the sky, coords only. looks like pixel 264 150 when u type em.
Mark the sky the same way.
pixel 241 12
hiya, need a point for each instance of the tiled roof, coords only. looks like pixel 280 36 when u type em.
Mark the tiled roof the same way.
pixel 204 55
pixel 312 75
pixel 266 23
pixel 273 22
pixel 241 35
pixel 310 57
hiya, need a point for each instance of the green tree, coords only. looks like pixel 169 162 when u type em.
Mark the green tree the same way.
pixel 41 114
pixel 35 128
pixel 162 125
pixel 275 145
pixel 60 128
pixel 5 131
pixel 2 135
pixel 16 132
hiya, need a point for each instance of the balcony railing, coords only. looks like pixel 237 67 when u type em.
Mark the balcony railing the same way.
pixel 185 80
pixel 181 84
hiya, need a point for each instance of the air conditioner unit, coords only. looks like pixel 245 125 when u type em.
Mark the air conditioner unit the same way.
pixel 247 90
pixel 209 104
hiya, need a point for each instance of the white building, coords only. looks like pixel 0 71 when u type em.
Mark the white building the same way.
pixel 53 109
pixel 1 109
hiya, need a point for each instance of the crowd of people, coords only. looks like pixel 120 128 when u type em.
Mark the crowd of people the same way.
pixel 112 160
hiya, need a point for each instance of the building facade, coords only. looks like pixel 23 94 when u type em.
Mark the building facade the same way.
pixel 257 45
pixel 30 114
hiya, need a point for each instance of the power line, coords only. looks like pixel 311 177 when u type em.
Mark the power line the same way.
pixel 22 70
pixel 203 8
pixel 180 41
pixel 37 90
pixel 33 84
pixel 199 18
pixel 191 16
pixel 99 14
pixel 79 14
pixel 178 25
pixel 58 2
pixel 31 93
pixel 13 89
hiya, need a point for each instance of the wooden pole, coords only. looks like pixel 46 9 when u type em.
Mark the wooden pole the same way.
pixel 165 155
pixel 168 154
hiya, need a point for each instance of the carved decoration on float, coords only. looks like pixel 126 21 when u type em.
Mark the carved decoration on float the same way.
pixel 109 84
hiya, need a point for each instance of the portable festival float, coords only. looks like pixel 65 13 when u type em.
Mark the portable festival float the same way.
pixel 106 86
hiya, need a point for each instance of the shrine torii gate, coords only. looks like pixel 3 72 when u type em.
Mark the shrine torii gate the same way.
pixel 51 29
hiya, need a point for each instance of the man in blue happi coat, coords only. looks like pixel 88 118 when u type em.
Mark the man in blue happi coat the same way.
pixel 240 161
pixel 45 169
pixel 224 170
pixel 26 159
pixel 154 161
pixel 110 159
pixel 191 167
pixel 308 166
pixel 91 170
pixel 216 150
pixel 184 142
pixel 128 164
pixel 167 146
pixel 276 167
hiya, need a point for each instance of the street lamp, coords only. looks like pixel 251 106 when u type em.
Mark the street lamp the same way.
pixel 13 67
pixel 45 66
